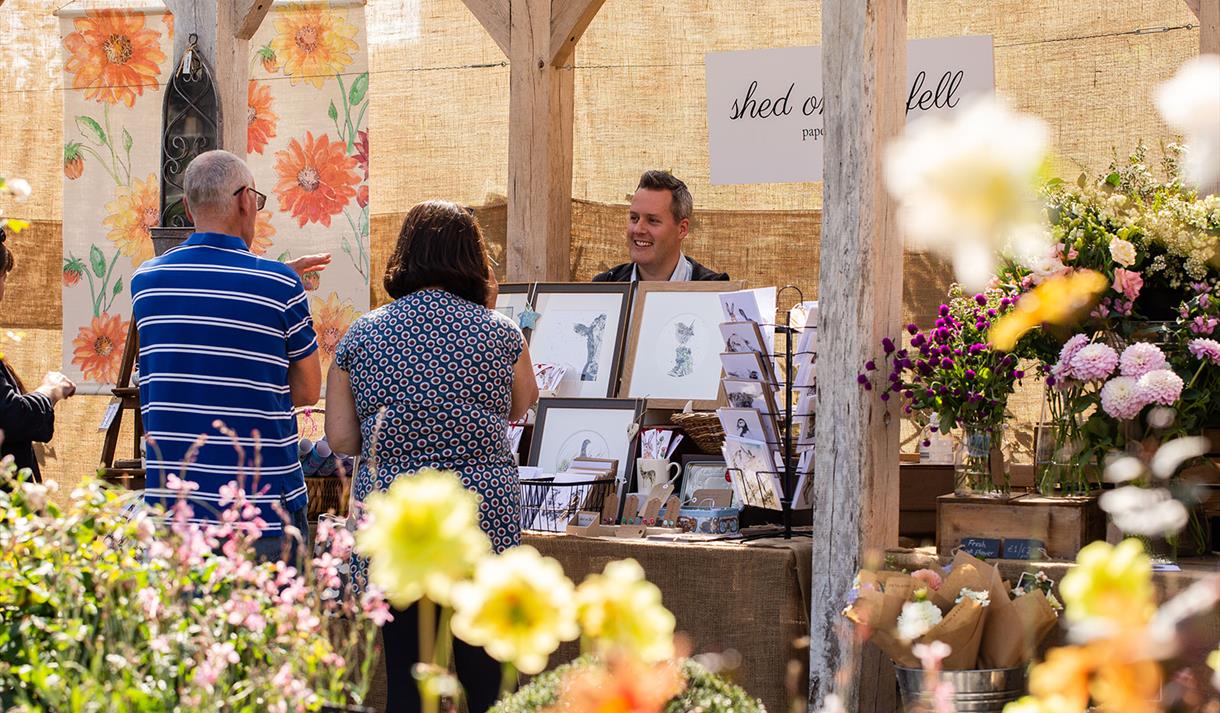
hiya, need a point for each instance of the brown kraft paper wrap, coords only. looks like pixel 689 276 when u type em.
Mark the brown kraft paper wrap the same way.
pixel 962 630
pixel 968 572
pixel 1019 642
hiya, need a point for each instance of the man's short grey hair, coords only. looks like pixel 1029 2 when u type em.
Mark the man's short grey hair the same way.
pixel 212 178
pixel 682 204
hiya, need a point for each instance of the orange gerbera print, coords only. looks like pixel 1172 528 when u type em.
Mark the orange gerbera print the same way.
pixel 263 232
pixel 130 215
pixel 316 179
pixel 260 121
pixel 99 348
pixel 168 19
pixel 113 56
pixel 313 43
pixel 331 319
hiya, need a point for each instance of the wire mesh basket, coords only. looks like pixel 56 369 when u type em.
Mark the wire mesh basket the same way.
pixel 547 506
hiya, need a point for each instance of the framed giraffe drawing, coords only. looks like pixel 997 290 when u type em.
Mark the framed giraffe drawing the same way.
pixel 581 326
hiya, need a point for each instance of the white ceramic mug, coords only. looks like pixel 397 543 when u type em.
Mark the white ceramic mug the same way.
pixel 651 472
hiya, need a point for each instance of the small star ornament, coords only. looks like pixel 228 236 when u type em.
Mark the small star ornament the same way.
pixel 528 319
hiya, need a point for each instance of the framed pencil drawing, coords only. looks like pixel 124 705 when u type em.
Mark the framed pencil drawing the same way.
pixel 582 327
pixel 567 429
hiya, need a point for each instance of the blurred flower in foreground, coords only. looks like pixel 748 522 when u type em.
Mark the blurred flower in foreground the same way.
pixel 1214 661
pixel 1110 582
pixel 621 608
pixel 625 685
pixel 1190 103
pixel 1059 301
pixel 519 607
pixel 967 187
pixel 423 535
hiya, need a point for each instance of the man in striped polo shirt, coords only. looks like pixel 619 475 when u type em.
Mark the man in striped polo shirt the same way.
pixel 226 344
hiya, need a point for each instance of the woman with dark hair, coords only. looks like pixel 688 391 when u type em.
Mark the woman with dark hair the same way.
pixel 450 372
pixel 26 418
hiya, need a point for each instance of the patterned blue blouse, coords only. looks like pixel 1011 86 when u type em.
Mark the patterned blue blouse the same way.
pixel 443 369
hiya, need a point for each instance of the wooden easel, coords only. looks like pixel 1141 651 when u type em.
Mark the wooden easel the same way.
pixel 127 472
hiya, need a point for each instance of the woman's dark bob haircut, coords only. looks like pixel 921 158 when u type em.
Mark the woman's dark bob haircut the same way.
pixel 440 245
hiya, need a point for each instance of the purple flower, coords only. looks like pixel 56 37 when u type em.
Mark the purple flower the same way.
pixel 861 379
pixel 907 364
pixel 912 329
pixel 1050 381
pixel 945 350
pixel 1205 349
pixel 1005 302
pixel 1205 301
pixel 944 310
pixel 888 345
pixel 918 340
pixel 957 351
pixel 894 376
pixel 925 350
pixel 1199 286
pixel 870 365
pixel 868 386
pixel 897 387
pixel 933 429
pixel 1204 325
pixel 992 313
pixel 926 443
pixel 941 323
pixel 946 363
pixel 981 299
pixel 885 397
pixel 977 347
pixel 1018 374
pixel 909 394
pixel 901 354
pixel 930 393
pixel 970 373
pixel 944 391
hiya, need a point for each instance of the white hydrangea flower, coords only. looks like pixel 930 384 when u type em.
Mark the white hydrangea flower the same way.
pixel 917 619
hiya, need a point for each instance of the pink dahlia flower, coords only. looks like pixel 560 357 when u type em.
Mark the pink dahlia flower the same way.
pixel 1141 358
pixel 1094 362
pixel 1123 398
pixel 1161 387
pixel 1205 349
pixel 1128 283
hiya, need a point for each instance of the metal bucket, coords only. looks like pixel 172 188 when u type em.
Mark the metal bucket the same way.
pixel 974 691
pixel 164 238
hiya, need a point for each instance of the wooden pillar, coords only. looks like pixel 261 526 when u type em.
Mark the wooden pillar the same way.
pixel 223 29
pixel 860 294
pixel 1208 12
pixel 539 38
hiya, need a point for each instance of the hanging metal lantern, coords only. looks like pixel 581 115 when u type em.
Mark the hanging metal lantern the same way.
pixel 190 127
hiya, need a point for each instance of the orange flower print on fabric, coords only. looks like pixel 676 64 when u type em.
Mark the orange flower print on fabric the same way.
pixel 130 215
pixel 331 319
pixel 264 231
pixel 99 348
pixel 316 179
pixel 168 19
pixel 313 43
pixel 260 120
pixel 113 56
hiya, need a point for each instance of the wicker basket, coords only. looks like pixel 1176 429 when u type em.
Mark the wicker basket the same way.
pixel 327 494
pixel 703 428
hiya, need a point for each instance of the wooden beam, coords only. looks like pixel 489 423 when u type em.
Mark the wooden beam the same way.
pixel 539 150
pixel 217 26
pixel 1194 6
pixel 493 16
pixel 250 14
pixel 860 294
pixel 569 20
pixel 1208 12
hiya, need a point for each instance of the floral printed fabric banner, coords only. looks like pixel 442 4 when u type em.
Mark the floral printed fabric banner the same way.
pixel 308 147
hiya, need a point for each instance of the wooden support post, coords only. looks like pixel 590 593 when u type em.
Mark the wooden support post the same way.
pixel 539 38
pixel 1208 12
pixel 223 29
pixel 860 292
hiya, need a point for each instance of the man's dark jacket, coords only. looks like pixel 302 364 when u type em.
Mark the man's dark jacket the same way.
pixel 622 273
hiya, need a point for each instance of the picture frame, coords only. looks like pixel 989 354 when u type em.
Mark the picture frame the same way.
pixel 748 423
pixel 678 360
pixel 742 337
pixel 563 425
pixel 513 299
pixel 582 326
pixel 752 470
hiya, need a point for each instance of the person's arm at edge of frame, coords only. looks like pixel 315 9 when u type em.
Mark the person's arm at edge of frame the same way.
pixel 342 426
pixel 305 380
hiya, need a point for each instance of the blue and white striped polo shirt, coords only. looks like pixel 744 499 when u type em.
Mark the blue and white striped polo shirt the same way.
pixel 218 327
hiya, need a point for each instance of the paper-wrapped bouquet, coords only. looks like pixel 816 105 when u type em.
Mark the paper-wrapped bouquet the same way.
pixel 986 622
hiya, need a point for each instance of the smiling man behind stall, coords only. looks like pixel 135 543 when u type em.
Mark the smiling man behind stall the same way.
pixel 657 223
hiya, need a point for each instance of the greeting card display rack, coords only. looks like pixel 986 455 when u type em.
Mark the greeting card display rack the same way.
pixel 788 476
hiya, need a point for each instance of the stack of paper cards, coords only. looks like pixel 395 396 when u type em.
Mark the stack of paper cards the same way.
pixel 752 470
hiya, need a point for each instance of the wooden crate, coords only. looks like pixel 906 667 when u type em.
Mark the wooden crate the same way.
pixel 1065 524
pixel 918 487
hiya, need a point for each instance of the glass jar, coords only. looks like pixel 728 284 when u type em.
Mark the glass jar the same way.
pixel 976 452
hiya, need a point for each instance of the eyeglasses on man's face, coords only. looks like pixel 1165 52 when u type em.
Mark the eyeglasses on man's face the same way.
pixel 260 199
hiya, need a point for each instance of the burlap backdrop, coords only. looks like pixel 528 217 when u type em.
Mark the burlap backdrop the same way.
pixel 439 120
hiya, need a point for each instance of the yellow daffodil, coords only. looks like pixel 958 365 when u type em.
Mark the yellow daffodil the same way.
pixel 519 607
pixel 1059 301
pixel 423 537
pixel 1213 660
pixel 1112 583
pixel 619 608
